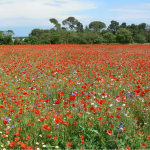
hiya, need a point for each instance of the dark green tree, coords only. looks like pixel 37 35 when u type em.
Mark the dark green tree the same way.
pixel 97 26
pixel 133 28
pixel 109 38
pixel 16 41
pixel 26 41
pixel 71 22
pixel 114 26
pixel 123 36
pixel 45 38
pixel 7 39
pixel 86 29
pixel 56 23
pixel 123 25
pixel 36 32
pixel 142 26
pixel 10 32
pixel 139 38
pixel 79 27
pixel 33 39
pixel 106 31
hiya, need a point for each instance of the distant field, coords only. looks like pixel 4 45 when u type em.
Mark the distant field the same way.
pixel 75 97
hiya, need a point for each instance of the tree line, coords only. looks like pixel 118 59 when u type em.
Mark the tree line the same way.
pixel 71 31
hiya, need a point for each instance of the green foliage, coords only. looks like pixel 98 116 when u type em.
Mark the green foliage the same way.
pixel 55 22
pixel 105 31
pixel 79 27
pixel 108 38
pixel 33 39
pixel 73 32
pixel 123 36
pixel 6 37
pixel 16 42
pixel 55 38
pixel 97 26
pixel 71 22
pixel 114 26
pixel 139 38
pixel 123 25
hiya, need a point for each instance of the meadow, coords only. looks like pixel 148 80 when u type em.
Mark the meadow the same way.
pixel 75 97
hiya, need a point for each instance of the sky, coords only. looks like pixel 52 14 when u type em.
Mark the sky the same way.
pixel 22 16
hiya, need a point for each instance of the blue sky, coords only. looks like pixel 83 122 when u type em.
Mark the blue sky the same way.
pixel 22 16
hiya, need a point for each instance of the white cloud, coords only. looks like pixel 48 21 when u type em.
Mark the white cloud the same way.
pixel 132 11
pixel 26 12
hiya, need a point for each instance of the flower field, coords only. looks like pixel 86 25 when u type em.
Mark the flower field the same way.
pixel 75 97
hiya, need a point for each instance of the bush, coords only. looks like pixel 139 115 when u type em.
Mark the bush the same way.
pixel 123 36
pixel 139 38
pixel 108 38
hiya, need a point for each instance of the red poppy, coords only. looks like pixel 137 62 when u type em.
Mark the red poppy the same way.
pixel 29 148
pixel 69 144
pixel 109 132
pixel 16 139
pixel 82 141
pixel 90 123
pixel 112 125
pixel 23 146
pixel 55 137
pixel 5 121
pixel 17 134
pixel 71 98
pixel 143 145
pixel 127 148
pixel 12 144
pixel 75 123
pixel 148 137
pixel 28 138
pixel 81 136
pixel 117 116
pixel 37 112
pixel 100 118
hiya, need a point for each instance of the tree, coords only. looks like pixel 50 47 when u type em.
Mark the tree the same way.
pixel 7 39
pixel 45 38
pixel 90 36
pixel 97 26
pixel 147 28
pixel 142 26
pixel 108 38
pixel 79 27
pixel 139 38
pixel 105 31
pixel 148 38
pixel 123 25
pixel 1 37
pixel 133 28
pixel 16 41
pixel 55 22
pixel 113 26
pixel 81 40
pixel 36 32
pixel 123 36
pixel 9 32
pixel 26 41
pixel 33 39
pixel 55 38
pixel 71 22
pixel 86 29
